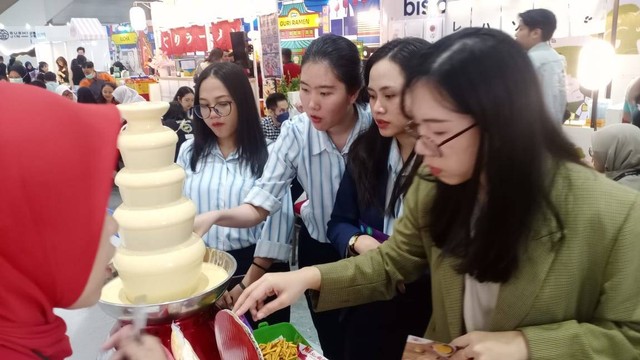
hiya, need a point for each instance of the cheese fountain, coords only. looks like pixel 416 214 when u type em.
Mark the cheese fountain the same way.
pixel 163 268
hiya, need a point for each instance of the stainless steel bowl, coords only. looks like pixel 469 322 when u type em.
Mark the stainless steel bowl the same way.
pixel 158 313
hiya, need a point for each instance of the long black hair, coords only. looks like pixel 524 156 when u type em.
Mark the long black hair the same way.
pixel 369 154
pixel 484 73
pixel 250 141
pixel 182 91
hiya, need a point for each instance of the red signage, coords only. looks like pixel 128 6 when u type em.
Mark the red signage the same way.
pixel 165 42
pixel 179 40
pixel 221 33
pixel 196 38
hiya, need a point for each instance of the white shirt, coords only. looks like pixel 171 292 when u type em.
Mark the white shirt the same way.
pixel 550 67
pixel 480 301
pixel 220 183
pixel 395 166
pixel 309 154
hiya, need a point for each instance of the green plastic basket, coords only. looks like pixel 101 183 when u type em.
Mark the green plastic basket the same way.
pixel 266 333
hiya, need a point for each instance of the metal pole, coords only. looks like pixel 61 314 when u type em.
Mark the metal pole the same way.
pixel 594 109
pixel 614 34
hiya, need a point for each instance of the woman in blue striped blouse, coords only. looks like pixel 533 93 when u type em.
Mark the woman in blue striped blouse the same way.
pixel 223 162
pixel 380 167
pixel 311 147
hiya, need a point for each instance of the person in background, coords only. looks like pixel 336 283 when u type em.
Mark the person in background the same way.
pixel 215 56
pixel 18 74
pixel 631 97
pixel 65 91
pixel 85 96
pixel 118 65
pixel 39 83
pixel 94 80
pixel 227 56
pixel 43 67
pixel 80 51
pixel 76 69
pixel 222 162
pixel 556 281
pixel 178 117
pixel 126 95
pixel 380 168
pixel 291 70
pixel 277 112
pixel 63 226
pixel 106 94
pixel 615 151
pixel 534 32
pixel 51 81
pixel 3 67
pixel 63 71
pixel 33 72
pixel 312 147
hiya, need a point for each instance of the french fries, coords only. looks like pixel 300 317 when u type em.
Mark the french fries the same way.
pixel 279 349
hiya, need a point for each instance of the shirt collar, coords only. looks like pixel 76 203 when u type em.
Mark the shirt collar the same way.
pixel 395 159
pixel 218 154
pixel 321 141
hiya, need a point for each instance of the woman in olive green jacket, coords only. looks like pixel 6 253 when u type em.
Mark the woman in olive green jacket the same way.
pixel 532 255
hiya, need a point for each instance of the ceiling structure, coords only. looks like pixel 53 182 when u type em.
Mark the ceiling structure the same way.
pixel 107 11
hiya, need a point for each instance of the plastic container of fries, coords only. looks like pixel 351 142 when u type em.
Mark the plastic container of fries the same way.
pixel 266 333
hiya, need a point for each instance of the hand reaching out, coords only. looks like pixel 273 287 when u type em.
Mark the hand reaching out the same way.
pixel 287 287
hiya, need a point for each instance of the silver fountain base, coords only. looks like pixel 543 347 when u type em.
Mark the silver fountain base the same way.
pixel 168 311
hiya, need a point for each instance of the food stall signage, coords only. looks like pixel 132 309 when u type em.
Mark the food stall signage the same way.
pixel 298 22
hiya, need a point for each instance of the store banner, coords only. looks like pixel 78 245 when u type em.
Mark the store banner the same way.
pixel 270 40
pixel 221 33
pixel 130 38
pixel 178 39
pixel 165 42
pixel 197 38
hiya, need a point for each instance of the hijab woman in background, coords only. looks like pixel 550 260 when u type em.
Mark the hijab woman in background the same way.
pixel 60 222
pixel 615 150
pixel 126 95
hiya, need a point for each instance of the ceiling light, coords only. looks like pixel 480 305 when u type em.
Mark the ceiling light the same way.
pixel 138 18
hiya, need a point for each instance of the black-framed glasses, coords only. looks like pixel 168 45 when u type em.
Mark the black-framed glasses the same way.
pixel 433 148
pixel 223 108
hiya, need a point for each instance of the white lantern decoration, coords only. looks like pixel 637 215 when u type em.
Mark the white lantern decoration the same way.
pixel 138 18
pixel 596 64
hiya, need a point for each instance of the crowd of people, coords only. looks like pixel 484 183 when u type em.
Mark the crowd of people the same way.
pixel 442 199
pixel 72 81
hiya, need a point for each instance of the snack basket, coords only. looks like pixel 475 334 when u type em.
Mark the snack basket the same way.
pixel 266 333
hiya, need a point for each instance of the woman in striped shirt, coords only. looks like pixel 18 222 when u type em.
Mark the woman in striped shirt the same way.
pixel 223 162
pixel 380 167
pixel 311 147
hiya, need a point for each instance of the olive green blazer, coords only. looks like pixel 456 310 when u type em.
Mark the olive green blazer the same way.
pixel 576 294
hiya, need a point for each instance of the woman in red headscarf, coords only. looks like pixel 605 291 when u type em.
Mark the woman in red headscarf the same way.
pixel 57 162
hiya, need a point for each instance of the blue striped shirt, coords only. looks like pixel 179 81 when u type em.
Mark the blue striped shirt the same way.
pixel 309 154
pixel 220 183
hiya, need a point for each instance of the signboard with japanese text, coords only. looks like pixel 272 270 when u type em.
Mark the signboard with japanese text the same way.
pixel 270 39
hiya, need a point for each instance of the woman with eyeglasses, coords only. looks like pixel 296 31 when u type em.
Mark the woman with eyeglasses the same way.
pixel 526 259
pixel 223 162
pixel 380 167
pixel 312 148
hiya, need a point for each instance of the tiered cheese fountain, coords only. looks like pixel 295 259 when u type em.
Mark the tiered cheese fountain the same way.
pixel 162 267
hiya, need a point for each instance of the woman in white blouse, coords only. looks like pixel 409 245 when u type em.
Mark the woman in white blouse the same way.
pixel 223 161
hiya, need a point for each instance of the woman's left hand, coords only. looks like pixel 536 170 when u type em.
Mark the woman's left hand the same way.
pixel 480 345
pixel 131 347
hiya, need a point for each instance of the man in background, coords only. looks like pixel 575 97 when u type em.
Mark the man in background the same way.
pixel 94 80
pixel 533 34
pixel 277 112
pixel 80 51
pixel 291 70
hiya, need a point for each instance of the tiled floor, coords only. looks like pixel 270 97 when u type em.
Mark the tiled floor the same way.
pixel 88 328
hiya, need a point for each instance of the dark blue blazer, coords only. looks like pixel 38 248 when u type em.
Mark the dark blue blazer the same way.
pixel 348 214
